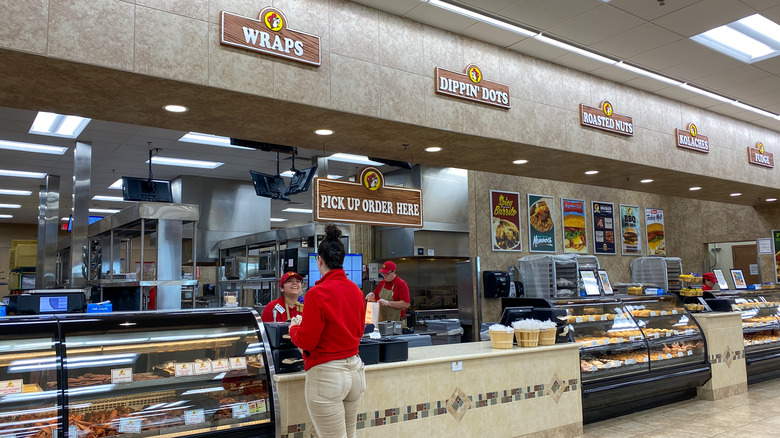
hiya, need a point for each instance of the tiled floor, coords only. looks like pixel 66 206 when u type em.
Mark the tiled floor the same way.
pixel 755 415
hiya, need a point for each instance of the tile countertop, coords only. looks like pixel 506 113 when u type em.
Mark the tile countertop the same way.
pixel 449 352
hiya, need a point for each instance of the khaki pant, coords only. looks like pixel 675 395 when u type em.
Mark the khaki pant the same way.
pixel 333 390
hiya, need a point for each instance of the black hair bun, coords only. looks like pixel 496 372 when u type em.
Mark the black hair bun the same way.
pixel 332 232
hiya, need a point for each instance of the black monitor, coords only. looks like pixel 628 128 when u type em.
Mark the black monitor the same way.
pixel 301 181
pixel 269 186
pixel 50 302
pixel 512 314
pixel 144 189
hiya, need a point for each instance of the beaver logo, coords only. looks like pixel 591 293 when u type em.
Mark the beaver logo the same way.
pixel 607 108
pixel 371 180
pixel 475 75
pixel 761 147
pixel 273 21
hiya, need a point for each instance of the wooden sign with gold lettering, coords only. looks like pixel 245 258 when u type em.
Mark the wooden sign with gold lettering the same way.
pixel 759 156
pixel 367 201
pixel 605 119
pixel 470 85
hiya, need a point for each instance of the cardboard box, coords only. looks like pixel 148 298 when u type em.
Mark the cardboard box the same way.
pixel 26 255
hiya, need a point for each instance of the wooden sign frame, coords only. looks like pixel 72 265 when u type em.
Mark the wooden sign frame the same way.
pixel 470 85
pixel 604 119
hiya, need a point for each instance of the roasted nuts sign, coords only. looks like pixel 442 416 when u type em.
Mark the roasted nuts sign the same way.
pixel 759 156
pixel 367 201
pixel 605 119
pixel 691 139
pixel 270 35
pixel 470 85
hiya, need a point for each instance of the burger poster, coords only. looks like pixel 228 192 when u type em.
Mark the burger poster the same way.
pixel 603 227
pixel 541 232
pixel 629 225
pixel 573 212
pixel 505 229
pixel 654 223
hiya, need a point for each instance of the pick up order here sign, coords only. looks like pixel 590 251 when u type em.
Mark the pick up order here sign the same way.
pixel 367 201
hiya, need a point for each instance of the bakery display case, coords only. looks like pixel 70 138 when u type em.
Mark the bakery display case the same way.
pixel 178 373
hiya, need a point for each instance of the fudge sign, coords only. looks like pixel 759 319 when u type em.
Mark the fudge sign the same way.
pixel 760 157
pixel 367 201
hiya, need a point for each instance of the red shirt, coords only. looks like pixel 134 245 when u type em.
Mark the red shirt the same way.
pixel 334 321
pixel 400 291
pixel 281 316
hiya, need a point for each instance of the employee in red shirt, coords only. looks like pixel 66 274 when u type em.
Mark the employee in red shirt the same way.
pixel 329 336
pixel 287 306
pixel 392 293
pixel 709 281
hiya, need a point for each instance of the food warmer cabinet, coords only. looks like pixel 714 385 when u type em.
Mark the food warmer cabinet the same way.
pixel 635 352
pixel 553 275
pixel 178 373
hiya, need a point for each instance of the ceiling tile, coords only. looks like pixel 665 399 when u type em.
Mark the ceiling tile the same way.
pixel 545 14
pixel 742 74
pixel 537 49
pixel 489 34
pixel 595 25
pixel 397 7
pixel 675 53
pixel 754 88
pixel 646 84
pixel 771 65
pixel 615 74
pixel 578 62
pixel 703 15
pixel 649 10
pixel 443 19
pixel 701 67
pixel 635 41
pixel 489 5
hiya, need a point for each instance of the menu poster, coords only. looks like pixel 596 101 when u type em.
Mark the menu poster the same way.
pixel 590 283
pixel 603 227
pixel 654 224
pixel 605 284
pixel 505 228
pixel 722 284
pixel 629 226
pixel 739 279
pixel 573 213
pixel 541 230
pixel 776 249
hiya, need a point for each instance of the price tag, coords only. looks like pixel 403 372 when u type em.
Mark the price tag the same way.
pixel 202 368
pixel 240 410
pixel 130 425
pixel 668 334
pixel 674 311
pixel 578 319
pixel 630 361
pixel 661 357
pixel 663 313
pixel 194 416
pixel 669 355
pixel 675 332
pixel 220 365
pixel 11 386
pixel 73 431
pixel 652 313
pixel 608 365
pixel 690 352
pixel 257 407
pixel 121 375
pixel 619 340
pixel 594 343
pixel 688 331
pixel 679 354
pixel 184 369
pixel 238 363
pixel 604 318
pixel 656 336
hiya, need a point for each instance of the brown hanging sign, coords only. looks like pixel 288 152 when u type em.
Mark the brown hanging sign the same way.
pixel 605 119
pixel 691 139
pixel 270 35
pixel 470 85
pixel 760 157
pixel 367 201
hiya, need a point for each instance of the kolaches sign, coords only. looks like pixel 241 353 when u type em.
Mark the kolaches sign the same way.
pixel 367 201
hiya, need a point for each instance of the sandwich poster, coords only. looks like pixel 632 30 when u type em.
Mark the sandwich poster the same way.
pixel 573 212
pixel 654 225
pixel 541 230
pixel 629 226
pixel 505 229
pixel 603 227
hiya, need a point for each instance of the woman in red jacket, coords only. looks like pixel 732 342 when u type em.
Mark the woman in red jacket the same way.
pixel 329 336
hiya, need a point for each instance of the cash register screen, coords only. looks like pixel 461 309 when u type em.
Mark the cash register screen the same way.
pixel 50 304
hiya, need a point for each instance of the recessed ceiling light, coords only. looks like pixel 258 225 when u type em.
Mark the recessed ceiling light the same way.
pixel 182 162
pixel 15 192
pixel 591 172
pixel 278 219
pixel 736 194
pixel 6 216
pixel 645 181
pixel 21 174
pixel 176 108
pixel 116 185
pixel 771 199
pixel 519 161
pixel 109 198
pixel 104 210
pixel 356 159
pixel 693 189
pixel 323 132
pixel 10 205
pixel 212 140
pixel 32 147
pixel 57 125
pixel 433 149
pixel 298 210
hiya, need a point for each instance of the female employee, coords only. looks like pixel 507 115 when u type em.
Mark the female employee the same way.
pixel 708 280
pixel 287 306
pixel 392 294
pixel 329 336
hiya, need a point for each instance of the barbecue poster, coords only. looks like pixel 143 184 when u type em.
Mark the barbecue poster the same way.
pixel 505 229
pixel 654 225
pixel 573 213
pixel 603 227
pixel 630 226
pixel 541 228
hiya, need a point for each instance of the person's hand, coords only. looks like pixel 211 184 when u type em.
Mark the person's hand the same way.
pixel 296 320
pixel 384 302
pixel 370 297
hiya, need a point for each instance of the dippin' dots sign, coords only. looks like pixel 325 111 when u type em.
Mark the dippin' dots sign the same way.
pixel 471 85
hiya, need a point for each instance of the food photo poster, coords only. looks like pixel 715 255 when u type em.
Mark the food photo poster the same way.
pixel 541 228
pixel 654 224
pixel 603 227
pixel 629 226
pixel 505 229
pixel 574 235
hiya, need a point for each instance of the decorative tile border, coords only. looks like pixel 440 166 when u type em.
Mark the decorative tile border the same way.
pixel 457 405
pixel 727 356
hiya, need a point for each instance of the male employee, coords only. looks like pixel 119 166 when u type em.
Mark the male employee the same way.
pixel 392 294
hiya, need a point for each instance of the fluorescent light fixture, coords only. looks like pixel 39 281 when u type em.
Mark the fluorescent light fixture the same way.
pixel 754 109
pixel 278 219
pixel 15 192
pixel 481 17
pixel 116 185
pixel 32 147
pixel 324 132
pixel 10 205
pixel 212 140
pixel 21 174
pixel 356 159
pixel 645 181
pixel 519 161
pixel 182 162
pixel 771 199
pixel 103 210
pixel 646 73
pixel 750 39
pixel 736 194
pixel 298 210
pixel 6 216
pixel 591 172
pixel 334 176
pixel 693 189
pixel 58 125
pixel 433 149
pixel 573 49
pixel 109 198
pixel 176 108
pixel 706 93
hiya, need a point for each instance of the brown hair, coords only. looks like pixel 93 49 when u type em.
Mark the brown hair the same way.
pixel 331 249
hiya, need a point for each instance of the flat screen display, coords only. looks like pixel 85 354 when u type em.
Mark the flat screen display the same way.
pixel 269 186
pixel 353 267
pixel 92 220
pixel 144 189
pixel 53 304
pixel 301 181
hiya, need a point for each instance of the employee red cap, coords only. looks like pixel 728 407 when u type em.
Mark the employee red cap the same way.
pixel 709 276
pixel 387 267
pixel 288 275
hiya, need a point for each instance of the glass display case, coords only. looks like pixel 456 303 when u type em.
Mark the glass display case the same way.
pixel 179 373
